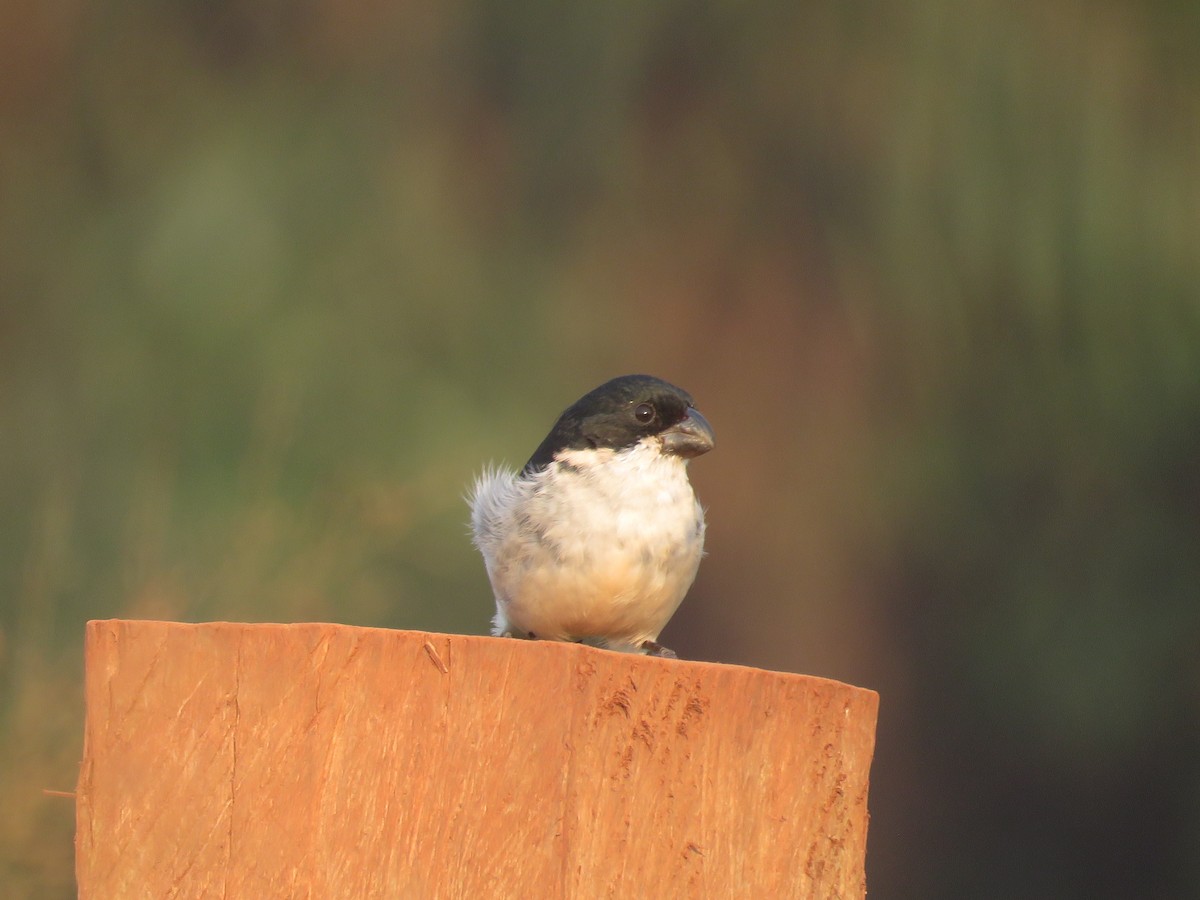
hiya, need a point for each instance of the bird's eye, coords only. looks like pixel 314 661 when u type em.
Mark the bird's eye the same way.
pixel 644 413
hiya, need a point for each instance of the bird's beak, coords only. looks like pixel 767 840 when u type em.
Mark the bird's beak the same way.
pixel 689 438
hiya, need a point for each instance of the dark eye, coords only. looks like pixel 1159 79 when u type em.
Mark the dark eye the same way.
pixel 644 413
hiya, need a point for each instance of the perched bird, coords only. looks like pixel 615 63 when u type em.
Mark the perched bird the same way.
pixel 599 536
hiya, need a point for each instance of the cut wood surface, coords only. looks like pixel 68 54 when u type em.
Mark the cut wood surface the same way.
pixel 327 761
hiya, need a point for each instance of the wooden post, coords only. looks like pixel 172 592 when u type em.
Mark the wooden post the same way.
pixel 323 761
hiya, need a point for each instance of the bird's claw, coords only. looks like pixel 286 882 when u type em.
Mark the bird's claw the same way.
pixel 653 648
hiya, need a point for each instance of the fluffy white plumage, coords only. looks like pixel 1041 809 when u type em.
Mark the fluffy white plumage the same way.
pixel 601 545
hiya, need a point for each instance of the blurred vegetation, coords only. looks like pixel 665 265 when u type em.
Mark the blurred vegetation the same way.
pixel 276 279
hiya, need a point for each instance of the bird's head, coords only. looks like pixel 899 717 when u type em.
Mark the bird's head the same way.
pixel 624 412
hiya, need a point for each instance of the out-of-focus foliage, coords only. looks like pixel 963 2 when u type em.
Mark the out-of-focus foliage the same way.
pixel 276 279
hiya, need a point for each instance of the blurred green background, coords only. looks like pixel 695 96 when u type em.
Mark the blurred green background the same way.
pixel 277 278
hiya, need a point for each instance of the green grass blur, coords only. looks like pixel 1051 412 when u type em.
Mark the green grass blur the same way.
pixel 277 279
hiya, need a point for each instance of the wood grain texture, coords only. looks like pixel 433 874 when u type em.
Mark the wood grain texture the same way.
pixel 318 761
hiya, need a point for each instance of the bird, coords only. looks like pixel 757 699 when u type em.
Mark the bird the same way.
pixel 598 537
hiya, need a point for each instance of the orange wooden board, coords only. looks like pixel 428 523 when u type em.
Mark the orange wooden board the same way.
pixel 320 761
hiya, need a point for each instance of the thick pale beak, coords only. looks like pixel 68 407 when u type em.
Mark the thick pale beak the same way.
pixel 689 438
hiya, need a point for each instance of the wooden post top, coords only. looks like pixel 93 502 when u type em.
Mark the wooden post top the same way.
pixel 314 760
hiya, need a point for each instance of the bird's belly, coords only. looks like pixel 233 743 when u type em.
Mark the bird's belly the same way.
pixel 604 553
pixel 598 592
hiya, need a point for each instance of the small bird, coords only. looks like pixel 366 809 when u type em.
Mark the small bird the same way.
pixel 599 536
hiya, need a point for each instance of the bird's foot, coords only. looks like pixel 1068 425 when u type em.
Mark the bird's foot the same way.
pixel 653 648
pixel 515 633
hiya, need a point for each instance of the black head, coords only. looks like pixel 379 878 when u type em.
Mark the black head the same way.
pixel 622 412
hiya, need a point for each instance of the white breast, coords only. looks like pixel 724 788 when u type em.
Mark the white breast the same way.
pixel 601 545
